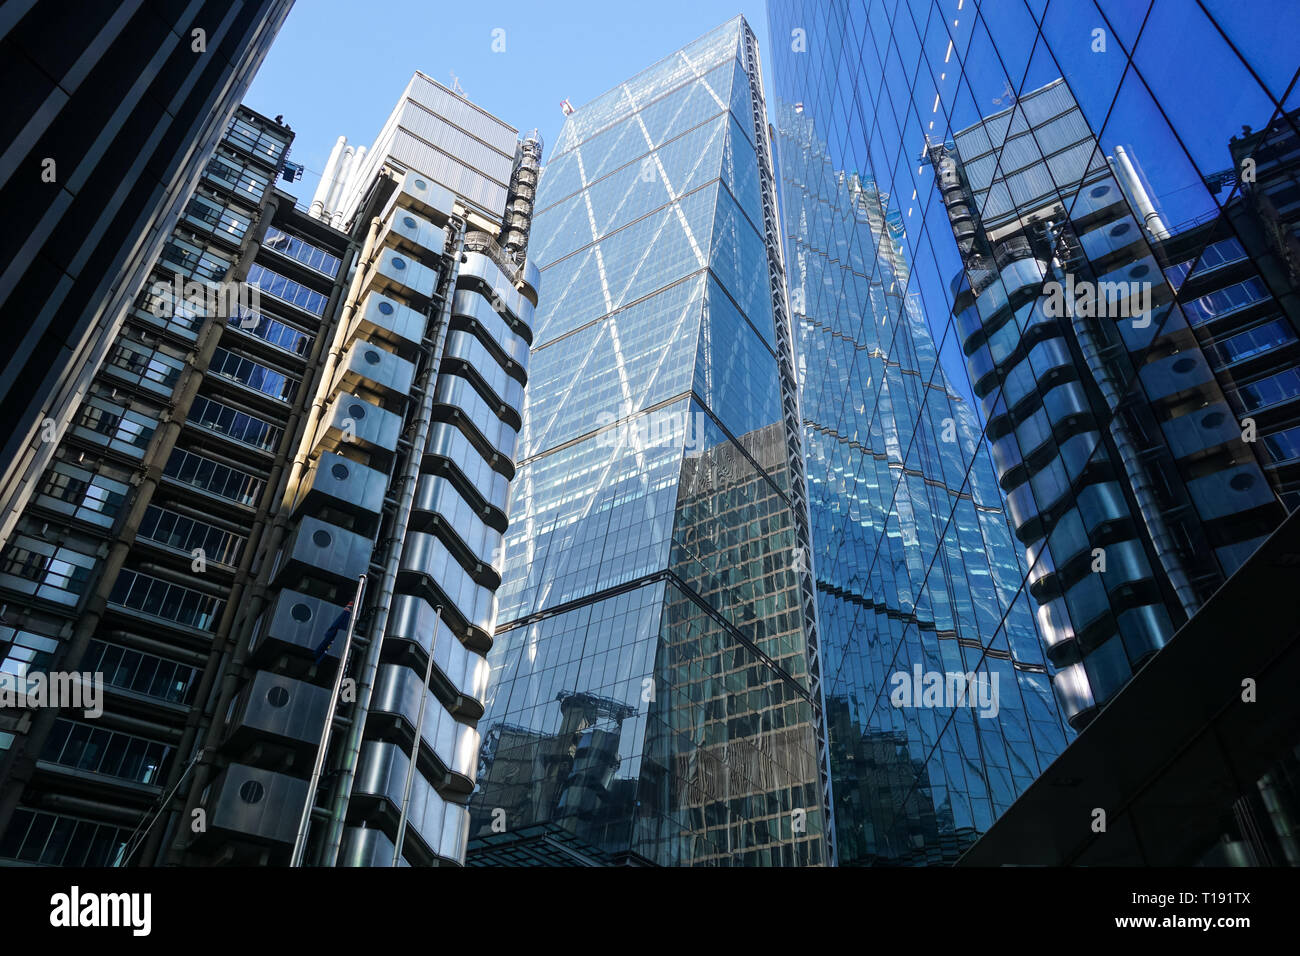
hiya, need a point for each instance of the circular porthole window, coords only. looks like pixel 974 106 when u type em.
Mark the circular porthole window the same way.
pixel 399 262
pixel 1184 365
pixel 339 471
pixel 277 697
pixel 1213 420
pixel 372 356
pixel 408 222
pixel 1137 272
pixel 252 792
pixel 1121 230
pixel 421 184
pixel 357 411
pixel 300 612
pixel 1099 191
pixel 1242 481
pixel 321 539
pixel 386 308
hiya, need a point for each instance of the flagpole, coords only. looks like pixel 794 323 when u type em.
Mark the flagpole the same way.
pixel 415 747
pixel 304 824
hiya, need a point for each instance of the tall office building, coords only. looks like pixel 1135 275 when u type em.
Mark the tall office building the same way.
pixel 1112 291
pixel 654 695
pixel 111 113
pixel 915 560
pixel 319 454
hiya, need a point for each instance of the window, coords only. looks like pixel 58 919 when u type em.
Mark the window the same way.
pixel 183 533
pixel 60 573
pixel 301 250
pixel 254 375
pixel 1251 342
pixel 1271 390
pixel 126 431
pixel 295 293
pixel 191 260
pixel 211 476
pixel 110 752
pixel 1284 445
pixel 153 368
pixel 141 673
pixel 240 426
pixel 280 334
pixel 1234 297
pixel 265 143
pixel 219 218
pixel 235 175
pixel 1219 254
pixel 55 840
pixel 149 595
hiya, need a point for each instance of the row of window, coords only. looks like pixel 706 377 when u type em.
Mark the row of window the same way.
pixel 178 531
pixel 94 497
pixel 219 219
pixel 188 259
pixel 150 595
pixel 277 333
pixel 214 477
pixel 302 251
pixel 240 426
pixel 1252 342
pixel 287 290
pixel 110 752
pixel 152 368
pixel 238 178
pixel 54 840
pixel 1223 301
pixel 254 375
pixel 142 673
pixel 268 144
pixel 61 574
pixel 122 429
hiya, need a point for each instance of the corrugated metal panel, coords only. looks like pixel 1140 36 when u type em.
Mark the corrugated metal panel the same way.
pixel 1064 131
pixel 464 114
pixel 415 153
pixel 451 139
pixel 1051 101
pixel 1031 185
pixel 1068 168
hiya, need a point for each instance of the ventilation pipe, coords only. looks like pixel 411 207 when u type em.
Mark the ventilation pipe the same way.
pixel 348 188
pixel 1137 192
pixel 340 177
pixel 321 195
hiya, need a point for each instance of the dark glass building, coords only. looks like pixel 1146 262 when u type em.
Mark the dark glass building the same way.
pixel 1105 266
pixel 654 694
pixel 110 115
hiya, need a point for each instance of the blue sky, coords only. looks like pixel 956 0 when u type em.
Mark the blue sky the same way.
pixel 338 66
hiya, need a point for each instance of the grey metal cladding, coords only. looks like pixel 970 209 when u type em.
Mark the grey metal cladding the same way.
pixel 414 619
pixel 281 707
pixel 366 364
pixel 351 419
pixel 342 484
pixel 298 622
pixel 449 442
pixel 470 304
pixel 259 804
pixel 318 549
pixel 453 743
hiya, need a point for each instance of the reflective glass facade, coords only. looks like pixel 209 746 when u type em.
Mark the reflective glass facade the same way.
pixel 1092 208
pixel 653 693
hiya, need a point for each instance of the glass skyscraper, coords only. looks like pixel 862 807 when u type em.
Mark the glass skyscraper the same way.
pixel 915 560
pixel 1071 235
pixel 654 693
